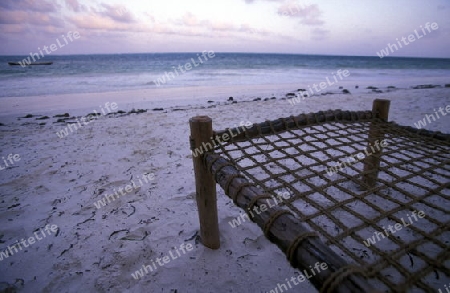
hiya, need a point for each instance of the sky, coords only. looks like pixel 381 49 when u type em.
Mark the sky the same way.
pixel 329 27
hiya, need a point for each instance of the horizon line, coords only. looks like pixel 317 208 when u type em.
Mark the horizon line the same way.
pixel 229 52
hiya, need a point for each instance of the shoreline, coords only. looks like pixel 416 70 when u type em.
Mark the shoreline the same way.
pixel 58 112
pixel 80 103
pixel 140 98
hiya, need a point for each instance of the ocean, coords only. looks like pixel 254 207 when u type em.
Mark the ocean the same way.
pixel 121 72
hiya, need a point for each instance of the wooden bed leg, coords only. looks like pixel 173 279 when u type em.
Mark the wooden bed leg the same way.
pixel 201 133
pixel 372 162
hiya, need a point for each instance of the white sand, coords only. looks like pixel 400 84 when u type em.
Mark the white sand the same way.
pixel 58 180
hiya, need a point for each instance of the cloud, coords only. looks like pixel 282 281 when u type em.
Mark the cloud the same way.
pixel 117 13
pixel 29 16
pixel 246 28
pixel 190 24
pixel 222 26
pixel 99 22
pixel 13 29
pixel 312 21
pixel 28 5
pixel 308 14
pixel 252 1
pixel 35 18
pixel 319 34
pixel 74 5
pixel 39 17
pixel 107 18
pixel 107 25
pixel 190 20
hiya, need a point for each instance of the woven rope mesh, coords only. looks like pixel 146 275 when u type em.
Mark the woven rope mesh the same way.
pixel 414 176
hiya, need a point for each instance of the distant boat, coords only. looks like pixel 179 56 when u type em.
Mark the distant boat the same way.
pixel 34 63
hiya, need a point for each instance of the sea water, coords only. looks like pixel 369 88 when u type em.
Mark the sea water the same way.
pixel 121 72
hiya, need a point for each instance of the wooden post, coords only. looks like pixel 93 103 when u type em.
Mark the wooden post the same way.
pixel 201 133
pixel 372 162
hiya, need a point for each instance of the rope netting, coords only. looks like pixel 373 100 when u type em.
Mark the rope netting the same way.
pixel 396 231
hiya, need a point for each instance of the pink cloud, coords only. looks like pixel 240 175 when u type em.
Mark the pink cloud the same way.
pixel 13 29
pixel 98 22
pixel 252 1
pixel 23 17
pixel 118 13
pixel 108 18
pixel 308 14
pixel 189 25
pixel 74 5
pixel 150 16
pixel 222 26
pixel 29 5
pixel 190 20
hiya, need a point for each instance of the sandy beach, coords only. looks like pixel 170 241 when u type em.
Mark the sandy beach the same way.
pixel 97 183
pixel 96 248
